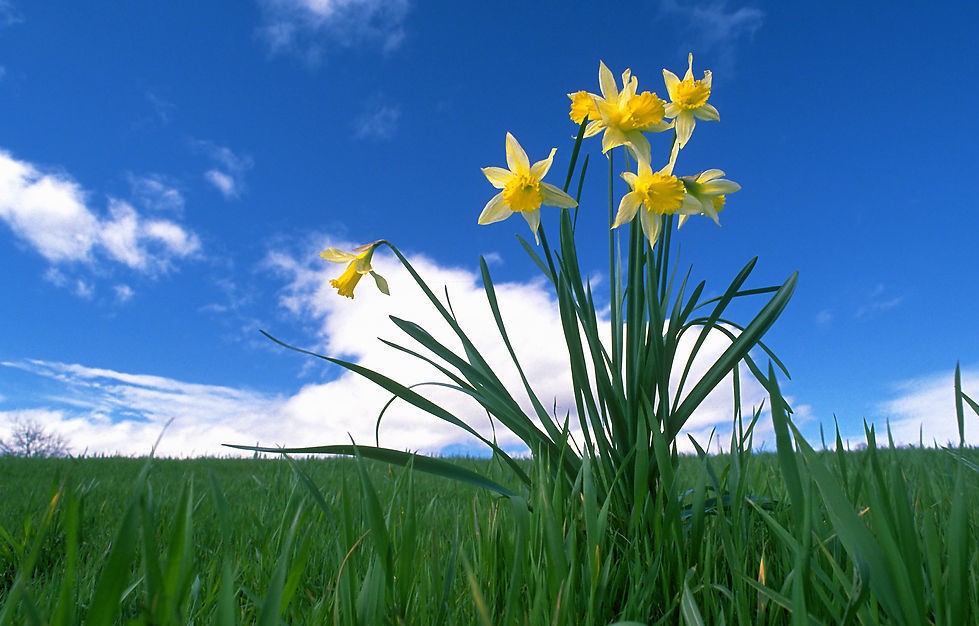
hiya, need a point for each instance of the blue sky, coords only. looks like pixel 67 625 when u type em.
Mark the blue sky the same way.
pixel 169 172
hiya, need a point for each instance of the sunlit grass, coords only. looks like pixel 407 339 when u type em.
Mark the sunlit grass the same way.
pixel 865 537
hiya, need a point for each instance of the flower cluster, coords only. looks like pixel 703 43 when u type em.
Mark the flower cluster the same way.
pixel 623 116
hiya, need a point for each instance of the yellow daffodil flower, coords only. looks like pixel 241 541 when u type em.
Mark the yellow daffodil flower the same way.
pixel 523 190
pixel 359 264
pixel 623 114
pixel 688 101
pixel 657 194
pixel 710 190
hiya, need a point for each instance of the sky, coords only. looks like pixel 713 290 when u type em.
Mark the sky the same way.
pixel 170 171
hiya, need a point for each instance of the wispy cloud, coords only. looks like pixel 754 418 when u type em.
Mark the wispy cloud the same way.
pixel 156 192
pixel 923 409
pixel 713 27
pixel 378 122
pixel 311 27
pixel 51 213
pixel 9 14
pixel 878 301
pixel 228 173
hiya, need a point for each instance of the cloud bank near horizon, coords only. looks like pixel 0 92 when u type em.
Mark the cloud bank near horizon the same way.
pixel 100 410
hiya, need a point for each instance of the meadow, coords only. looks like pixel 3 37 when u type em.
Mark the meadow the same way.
pixel 872 536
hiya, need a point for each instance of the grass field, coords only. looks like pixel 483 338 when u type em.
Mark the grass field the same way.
pixel 862 537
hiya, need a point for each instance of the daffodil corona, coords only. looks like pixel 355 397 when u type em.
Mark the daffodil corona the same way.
pixel 623 114
pixel 652 195
pixel 523 188
pixel 359 263
pixel 688 101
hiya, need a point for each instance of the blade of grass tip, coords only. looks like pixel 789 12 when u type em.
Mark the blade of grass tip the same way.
pixel 481 609
pixel 734 353
pixel 786 454
pixel 226 605
pixel 689 611
pixel 961 550
pixel 857 539
pixel 374 514
pixel 272 602
pixel 180 558
pixel 18 593
pixel 959 409
pixel 117 571
pixel 577 197
pixel 65 611
pixel 427 464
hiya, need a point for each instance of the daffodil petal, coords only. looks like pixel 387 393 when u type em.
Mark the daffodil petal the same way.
pixel 630 178
pixel 719 186
pixel 533 219
pixel 516 157
pixel 692 206
pixel 638 145
pixel 671 81
pixel 607 82
pixel 539 169
pixel 650 226
pixel 555 197
pixel 628 207
pixel 684 127
pixel 708 175
pixel 495 211
pixel 612 138
pixel 594 127
pixel 689 73
pixel 497 176
pixel 707 112
pixel 681 221
pixel 337 256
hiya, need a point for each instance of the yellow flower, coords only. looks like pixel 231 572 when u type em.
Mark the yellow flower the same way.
pixel 523 191
pixel 657 194
pixel 710 190
pixel 582 106
pixel 688 101
pixel 359 263
pixel 624 115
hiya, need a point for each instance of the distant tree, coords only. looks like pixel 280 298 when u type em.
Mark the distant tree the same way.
pixel 29 438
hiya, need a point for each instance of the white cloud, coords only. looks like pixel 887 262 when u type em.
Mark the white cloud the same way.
pixel 379 122
pixel 116 412
pixel 710 27
pixel 309 26
pixel 47 211
pixel 50 212
pixel 228 175
pixel 923 409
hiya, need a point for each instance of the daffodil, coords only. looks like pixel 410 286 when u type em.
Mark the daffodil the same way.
pixel 652 195
pixel 710 190
pixel 359 264
pixel 523 190
pixel 688 101
pixel 623 114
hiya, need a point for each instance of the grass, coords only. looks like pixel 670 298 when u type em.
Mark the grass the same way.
pixel 862 537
